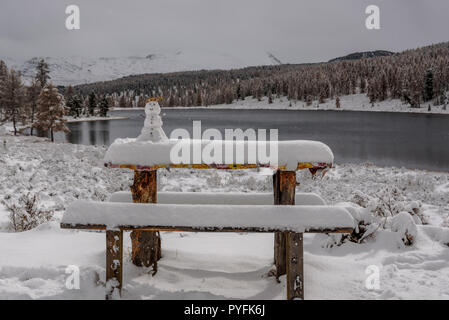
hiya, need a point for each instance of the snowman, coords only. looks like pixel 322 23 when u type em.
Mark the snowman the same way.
pixel 152 128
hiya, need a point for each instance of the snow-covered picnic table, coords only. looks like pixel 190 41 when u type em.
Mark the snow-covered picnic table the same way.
pixel 152 150
pixel 148 155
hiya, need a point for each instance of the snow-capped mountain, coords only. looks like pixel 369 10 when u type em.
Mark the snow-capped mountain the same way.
pixel 79 70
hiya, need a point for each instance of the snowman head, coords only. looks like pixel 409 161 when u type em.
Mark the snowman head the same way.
pixel 152 107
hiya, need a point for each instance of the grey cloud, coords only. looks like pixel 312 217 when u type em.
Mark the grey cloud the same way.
pixel 294 30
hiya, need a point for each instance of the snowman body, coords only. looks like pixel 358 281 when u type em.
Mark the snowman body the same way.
pixel 152 128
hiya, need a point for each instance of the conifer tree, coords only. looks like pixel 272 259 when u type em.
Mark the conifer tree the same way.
pixel 141 102
pixel 12 98
pixel 32 95
pixel 103 107
pixel 428 86
pixel 85 107
pixel 50 111
pixel 270 98
pixel 69 92
pixel 92 104
pixel 122 101
pixel 3 75
pixel 199 99
pixel 75 106
pixel 239 92
pixel 42 73
pixel 3 71
pixel 337 103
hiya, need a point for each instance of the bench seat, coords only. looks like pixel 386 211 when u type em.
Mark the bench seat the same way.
pixel 292 221
pixel 262 218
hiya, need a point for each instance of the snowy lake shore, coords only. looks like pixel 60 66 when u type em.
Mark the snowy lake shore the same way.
pixel 355 102
pixel 219 266
pixel 88 119
pixel 8 127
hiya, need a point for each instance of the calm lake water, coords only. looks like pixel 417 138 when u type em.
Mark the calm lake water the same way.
pixel 386 139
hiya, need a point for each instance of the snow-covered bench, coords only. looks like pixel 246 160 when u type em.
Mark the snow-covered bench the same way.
pixel 152 150
pixel 116 217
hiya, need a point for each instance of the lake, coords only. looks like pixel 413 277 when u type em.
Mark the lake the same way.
pixel 386 139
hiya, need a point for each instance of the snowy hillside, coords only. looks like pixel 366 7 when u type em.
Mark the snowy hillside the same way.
pixel 79 70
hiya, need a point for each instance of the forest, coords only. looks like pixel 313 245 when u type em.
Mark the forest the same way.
pixel 415 76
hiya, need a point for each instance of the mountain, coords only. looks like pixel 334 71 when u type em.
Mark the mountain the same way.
pixel 80 70
pixel 362 55
pixel 403 75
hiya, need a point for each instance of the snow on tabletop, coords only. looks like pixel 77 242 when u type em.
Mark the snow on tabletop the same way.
pixel 146 153
pixel 289 218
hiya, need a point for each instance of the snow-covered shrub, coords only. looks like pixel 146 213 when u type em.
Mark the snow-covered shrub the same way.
pixel 360 198
pixel 363 222
pixel 405 226
pixel 372 216
pixel 389 202
pixel 26 214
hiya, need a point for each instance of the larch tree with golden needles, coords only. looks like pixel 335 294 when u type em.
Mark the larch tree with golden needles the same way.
pixel 50 111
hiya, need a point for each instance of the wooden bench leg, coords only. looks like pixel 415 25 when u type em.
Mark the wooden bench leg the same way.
pixel 146 245
pixel 295 266
pixel 284 189
pixel 114 263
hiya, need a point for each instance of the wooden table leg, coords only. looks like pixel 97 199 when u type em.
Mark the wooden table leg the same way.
pixel 114 263
pixel 284 189
pixel 295 266
pixel 146 245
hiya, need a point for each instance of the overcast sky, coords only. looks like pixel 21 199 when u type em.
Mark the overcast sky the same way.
pixel 294 30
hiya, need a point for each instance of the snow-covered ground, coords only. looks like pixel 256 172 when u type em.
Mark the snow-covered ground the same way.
pixel 355 102
pixel 217 266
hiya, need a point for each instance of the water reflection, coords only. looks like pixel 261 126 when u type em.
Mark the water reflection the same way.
pixel 89 132
pixel 103 132
pixel 75 135
pixel 92 132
